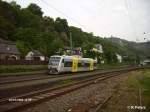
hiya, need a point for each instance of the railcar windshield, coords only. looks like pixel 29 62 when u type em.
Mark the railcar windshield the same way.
pixel 54 61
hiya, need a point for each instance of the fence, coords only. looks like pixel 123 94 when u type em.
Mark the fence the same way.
pixel 22 62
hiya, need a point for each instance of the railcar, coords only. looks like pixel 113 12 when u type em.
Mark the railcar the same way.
pixel 60 64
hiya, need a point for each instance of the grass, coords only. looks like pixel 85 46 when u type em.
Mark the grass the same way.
pixel 128 93
pixel 111 66
pixel 66 82
pixel 30 68
pixel 21 68
pixel 145 85
pixel 141 81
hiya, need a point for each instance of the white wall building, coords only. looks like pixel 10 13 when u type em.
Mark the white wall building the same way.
pixel 35 55
pixel 146 62
pixel 119 57
pixel 99 48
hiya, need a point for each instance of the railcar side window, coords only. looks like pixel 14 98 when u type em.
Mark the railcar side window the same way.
pixel 95 64
pixel 80 65
pixel 67 64
pixel 86 64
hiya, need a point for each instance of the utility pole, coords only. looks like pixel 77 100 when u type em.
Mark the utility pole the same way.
pixel 140 98
pixel 71 47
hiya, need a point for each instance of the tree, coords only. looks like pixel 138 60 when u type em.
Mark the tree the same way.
pixel 61 25
pixel 48 24
pixel 15 5
pixel 137 59
pixel 35 9
pixel 6 28
pixel 28 36
pixel 88 53
pixel 49 44
pixel 77 36
pixel 31 30
pixel 22 47
pixel 28 19
pixel 8 16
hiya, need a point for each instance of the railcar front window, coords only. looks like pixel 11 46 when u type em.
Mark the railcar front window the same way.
pixel 54 61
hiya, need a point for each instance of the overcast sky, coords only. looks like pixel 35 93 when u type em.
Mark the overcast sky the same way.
pixel 127 19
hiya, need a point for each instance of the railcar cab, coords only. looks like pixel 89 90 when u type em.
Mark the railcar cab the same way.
pixel 54 64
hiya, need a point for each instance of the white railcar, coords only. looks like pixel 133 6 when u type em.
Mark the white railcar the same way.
pixel 59 64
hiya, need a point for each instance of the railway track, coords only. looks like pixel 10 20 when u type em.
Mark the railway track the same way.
pixel 17 103
pixel 101 105
pixel 22 79
pixel 16 79
pixel 13 89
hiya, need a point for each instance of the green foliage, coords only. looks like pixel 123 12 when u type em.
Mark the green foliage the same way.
pixel 28 19
pixel 47 24
pixel 143 80
pixel 6 28
pixel 20 68
pixel 31 31
pixel 61 25
pixel 35 9
pixel 111 57
pixel 48 45
pixel 22 47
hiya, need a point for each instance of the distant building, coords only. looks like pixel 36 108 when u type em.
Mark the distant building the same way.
pixel 75 51
pixel 78 51
pixel 146 62
pixel 35 55
pixel 8 50
pixel 119 58
pixel 99 48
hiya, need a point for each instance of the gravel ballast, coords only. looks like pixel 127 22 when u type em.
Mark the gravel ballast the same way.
pixel 83 100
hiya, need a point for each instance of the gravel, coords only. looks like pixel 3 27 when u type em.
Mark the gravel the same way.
pixel 83 100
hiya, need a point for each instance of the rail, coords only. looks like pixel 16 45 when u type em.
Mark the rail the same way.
pixel 48 94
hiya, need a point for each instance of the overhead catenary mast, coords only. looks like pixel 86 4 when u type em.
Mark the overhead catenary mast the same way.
pixel 71 46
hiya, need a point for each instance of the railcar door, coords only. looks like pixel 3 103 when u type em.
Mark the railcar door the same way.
pixel 74 64
pixel 91 64
pixel 67 65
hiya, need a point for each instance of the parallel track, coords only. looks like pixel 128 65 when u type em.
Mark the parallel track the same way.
pixel 16 79
pixel 29 79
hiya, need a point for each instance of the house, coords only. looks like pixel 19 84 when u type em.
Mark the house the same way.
pixel 119 58
pixel 35 55
pixel 78 51
pixel 75 51
pixel 145 62
pixel 99 48
pixel 8 50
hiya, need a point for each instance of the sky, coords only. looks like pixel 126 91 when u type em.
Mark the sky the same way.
pixel 126 19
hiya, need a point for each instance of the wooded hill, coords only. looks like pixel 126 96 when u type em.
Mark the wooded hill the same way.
pixel 31 30
pixel 142 49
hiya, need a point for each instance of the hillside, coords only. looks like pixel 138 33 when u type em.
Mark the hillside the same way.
pixel 30 30
pixel 141 49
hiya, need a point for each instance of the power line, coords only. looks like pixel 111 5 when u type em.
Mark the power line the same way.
pixel 62 13
pixel 100 4
pixel 130 19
